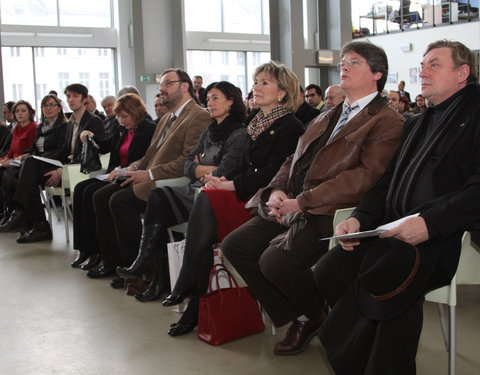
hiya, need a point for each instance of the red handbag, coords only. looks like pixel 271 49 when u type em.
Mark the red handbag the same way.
pixel 227 314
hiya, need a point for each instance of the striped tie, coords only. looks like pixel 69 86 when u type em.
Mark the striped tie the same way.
pixel 343 120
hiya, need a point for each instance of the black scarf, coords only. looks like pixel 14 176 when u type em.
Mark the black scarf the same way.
pixel 221 132
pixel 415 151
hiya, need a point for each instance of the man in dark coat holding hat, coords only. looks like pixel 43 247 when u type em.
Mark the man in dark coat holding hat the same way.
pixel 376 287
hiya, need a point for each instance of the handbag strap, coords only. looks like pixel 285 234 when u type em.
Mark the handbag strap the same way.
pixel 214 273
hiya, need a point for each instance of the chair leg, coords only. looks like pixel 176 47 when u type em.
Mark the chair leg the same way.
pixel 46 203
pixel 445 326
pixel 449 334
pixel 265 317
pixel 65 217
pixel 452 340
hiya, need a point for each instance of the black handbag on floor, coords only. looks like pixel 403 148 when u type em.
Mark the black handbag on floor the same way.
pixel 89 158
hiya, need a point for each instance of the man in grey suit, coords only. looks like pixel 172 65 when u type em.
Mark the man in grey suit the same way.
pixel 119 206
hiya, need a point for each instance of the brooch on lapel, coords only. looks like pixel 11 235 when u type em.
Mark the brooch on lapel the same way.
pixel 462 124
pixel 272 132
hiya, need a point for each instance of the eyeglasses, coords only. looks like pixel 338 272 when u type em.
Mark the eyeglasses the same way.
pixel 51 105
pixel 350 64
pixel 168 83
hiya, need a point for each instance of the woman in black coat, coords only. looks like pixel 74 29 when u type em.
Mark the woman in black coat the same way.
pixel 220 208
pixel 49 143
pixel 128 143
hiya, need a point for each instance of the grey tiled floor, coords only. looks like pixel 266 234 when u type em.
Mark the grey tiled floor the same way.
pixel 54 320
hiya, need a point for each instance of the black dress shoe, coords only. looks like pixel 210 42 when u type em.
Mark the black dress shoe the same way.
pixel 154 292
pixel 93 261
pixel 118 283
pixel 40 232
pixel 129 273
pixel 81 257
pixel 174 299
pixel 100 272
pixel 14 221
pixel 178 329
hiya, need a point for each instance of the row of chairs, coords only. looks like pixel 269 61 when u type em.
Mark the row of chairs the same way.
pixel 71 176
pixel 467 274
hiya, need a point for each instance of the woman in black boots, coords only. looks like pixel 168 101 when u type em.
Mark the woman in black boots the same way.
pixel 220 152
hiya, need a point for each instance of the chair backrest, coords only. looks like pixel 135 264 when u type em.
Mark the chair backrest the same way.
pixel 179 181
pixel 105 159
pixel 340 215
pixel 467 273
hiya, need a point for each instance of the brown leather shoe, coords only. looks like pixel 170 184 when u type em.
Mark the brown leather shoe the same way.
pixel 299 335
pixel 40 232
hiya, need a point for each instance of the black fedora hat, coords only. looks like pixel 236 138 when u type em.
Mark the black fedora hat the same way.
pixel 392 276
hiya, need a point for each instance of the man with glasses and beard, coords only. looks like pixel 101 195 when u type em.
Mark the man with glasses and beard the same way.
pixel 119 206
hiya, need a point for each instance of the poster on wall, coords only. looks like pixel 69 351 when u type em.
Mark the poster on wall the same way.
pixel 413 75
pixel 392 78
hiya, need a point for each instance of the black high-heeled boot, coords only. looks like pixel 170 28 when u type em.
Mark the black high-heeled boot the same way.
pixel 146 251
pixel 160 283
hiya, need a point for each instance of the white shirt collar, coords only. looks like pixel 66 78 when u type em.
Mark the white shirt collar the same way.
pixel 180 109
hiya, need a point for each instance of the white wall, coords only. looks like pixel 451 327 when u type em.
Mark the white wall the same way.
pixel 401 62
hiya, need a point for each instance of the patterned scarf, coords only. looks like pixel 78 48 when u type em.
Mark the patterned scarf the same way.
pixel 261 121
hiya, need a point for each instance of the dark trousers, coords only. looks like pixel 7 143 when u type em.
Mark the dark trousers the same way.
pixel 281 280
pixel 354 343
pixel 84 221
pixel 118 223
pixel 27 194
pixel 9 178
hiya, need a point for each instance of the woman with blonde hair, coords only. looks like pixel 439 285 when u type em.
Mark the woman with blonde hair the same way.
pixel 220 207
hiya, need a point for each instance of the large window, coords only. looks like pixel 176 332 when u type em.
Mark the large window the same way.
pixel 228 16
pixel 232 66
pixel 44 69
pixel 376 17
pixel 85 13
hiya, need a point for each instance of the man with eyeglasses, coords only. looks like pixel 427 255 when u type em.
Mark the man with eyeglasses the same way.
pixel 35 172
pixel 339 157
pixel 119 207
pixel 376 286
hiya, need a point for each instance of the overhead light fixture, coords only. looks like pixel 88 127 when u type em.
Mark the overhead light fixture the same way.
pixel 63 35
pixel 17 34
pixel 214 40
pixel 44 35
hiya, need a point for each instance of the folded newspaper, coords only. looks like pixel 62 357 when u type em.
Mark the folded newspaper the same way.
pixel 370 233
pixel 48 160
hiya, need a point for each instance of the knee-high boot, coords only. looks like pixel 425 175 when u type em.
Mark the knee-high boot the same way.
pixel 146 251
pixel 160 282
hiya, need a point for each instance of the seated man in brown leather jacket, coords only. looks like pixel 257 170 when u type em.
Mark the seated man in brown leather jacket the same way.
pixel 341 155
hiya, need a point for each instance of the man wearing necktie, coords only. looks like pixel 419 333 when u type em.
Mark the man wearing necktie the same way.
pixel 119 207
pixel 376 287
pixel 343 152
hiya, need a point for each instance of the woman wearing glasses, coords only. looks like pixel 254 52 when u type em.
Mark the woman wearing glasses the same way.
pixel 128 143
